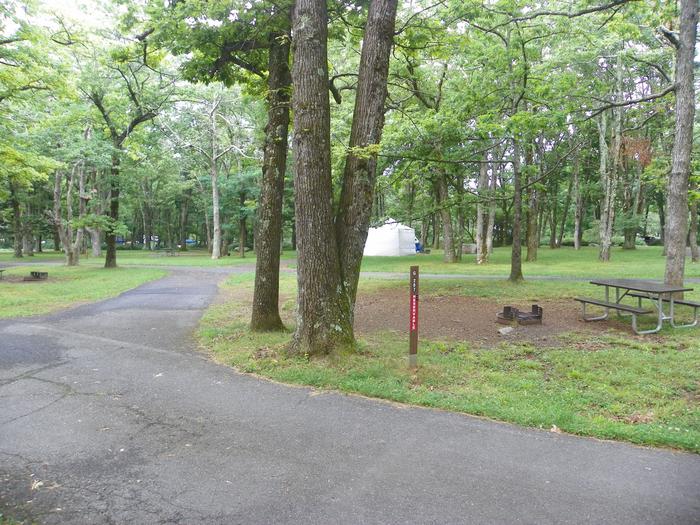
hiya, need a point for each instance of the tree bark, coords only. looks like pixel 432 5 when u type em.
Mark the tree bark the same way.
pixel 323 308
pixel 111 236
pixel 360 173
pixel 516 264
pixel 677 190
pixel 608 186
pixel 424 225
pixel 71 239
pixel 265 315
pixel 95 241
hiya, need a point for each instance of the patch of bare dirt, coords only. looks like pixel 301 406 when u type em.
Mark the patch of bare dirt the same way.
pixel 472 319
pixel 19 279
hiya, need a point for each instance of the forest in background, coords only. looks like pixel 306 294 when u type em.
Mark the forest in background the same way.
pixel 166 125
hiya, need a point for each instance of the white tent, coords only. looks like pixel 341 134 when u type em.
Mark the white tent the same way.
pixel 390 240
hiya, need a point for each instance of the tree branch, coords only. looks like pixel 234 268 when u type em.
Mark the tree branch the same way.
pixel 575 14
pixel 632 102
pixel 670 36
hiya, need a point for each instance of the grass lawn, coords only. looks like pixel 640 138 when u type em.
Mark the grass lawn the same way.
pixel 644 263
pixel 609 385
pixel 144 258
pixel 66 287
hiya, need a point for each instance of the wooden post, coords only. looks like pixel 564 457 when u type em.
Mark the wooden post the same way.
pixel 413 319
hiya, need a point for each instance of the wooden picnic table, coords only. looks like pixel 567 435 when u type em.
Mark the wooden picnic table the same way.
pixel 657 292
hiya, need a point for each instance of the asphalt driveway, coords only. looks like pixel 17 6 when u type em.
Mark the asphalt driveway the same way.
pixel 108 414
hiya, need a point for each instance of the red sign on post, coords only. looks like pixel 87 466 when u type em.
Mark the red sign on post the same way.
pixel 413 319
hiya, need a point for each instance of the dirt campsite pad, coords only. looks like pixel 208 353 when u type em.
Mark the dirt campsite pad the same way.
pixel 472 319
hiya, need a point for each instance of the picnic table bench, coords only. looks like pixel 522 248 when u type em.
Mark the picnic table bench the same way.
pixel 658 293
pixel 691 304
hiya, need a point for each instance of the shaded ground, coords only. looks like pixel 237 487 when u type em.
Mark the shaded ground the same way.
pixel 108 415
pixel 471 319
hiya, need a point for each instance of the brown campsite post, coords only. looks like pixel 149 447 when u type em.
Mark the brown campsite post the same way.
pixel 413 319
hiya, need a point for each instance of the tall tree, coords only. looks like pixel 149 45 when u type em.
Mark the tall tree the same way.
pixel 330 252
pixel 677 192
pixel 242 42
pixel 323 308
pixel 127 91
pixel 265 314
pixel 360 173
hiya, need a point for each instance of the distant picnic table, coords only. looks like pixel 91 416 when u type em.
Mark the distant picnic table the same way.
pixel 658 293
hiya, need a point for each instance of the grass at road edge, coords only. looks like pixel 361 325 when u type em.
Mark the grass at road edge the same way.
pixel 610 386
pixel 66 287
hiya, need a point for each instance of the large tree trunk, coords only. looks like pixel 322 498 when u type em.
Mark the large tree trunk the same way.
pixel 608 186
pixel 28 241
pixel 360 173
pixel 95 241
pixel 677 191
pixel 71 239
pixel 323 308
pixel 265 315
pixel 111 236
pixel 516 263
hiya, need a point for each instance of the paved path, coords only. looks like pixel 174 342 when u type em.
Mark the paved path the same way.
pixel 107 415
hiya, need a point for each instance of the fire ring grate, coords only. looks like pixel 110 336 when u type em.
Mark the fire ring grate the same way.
pixel 511 314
